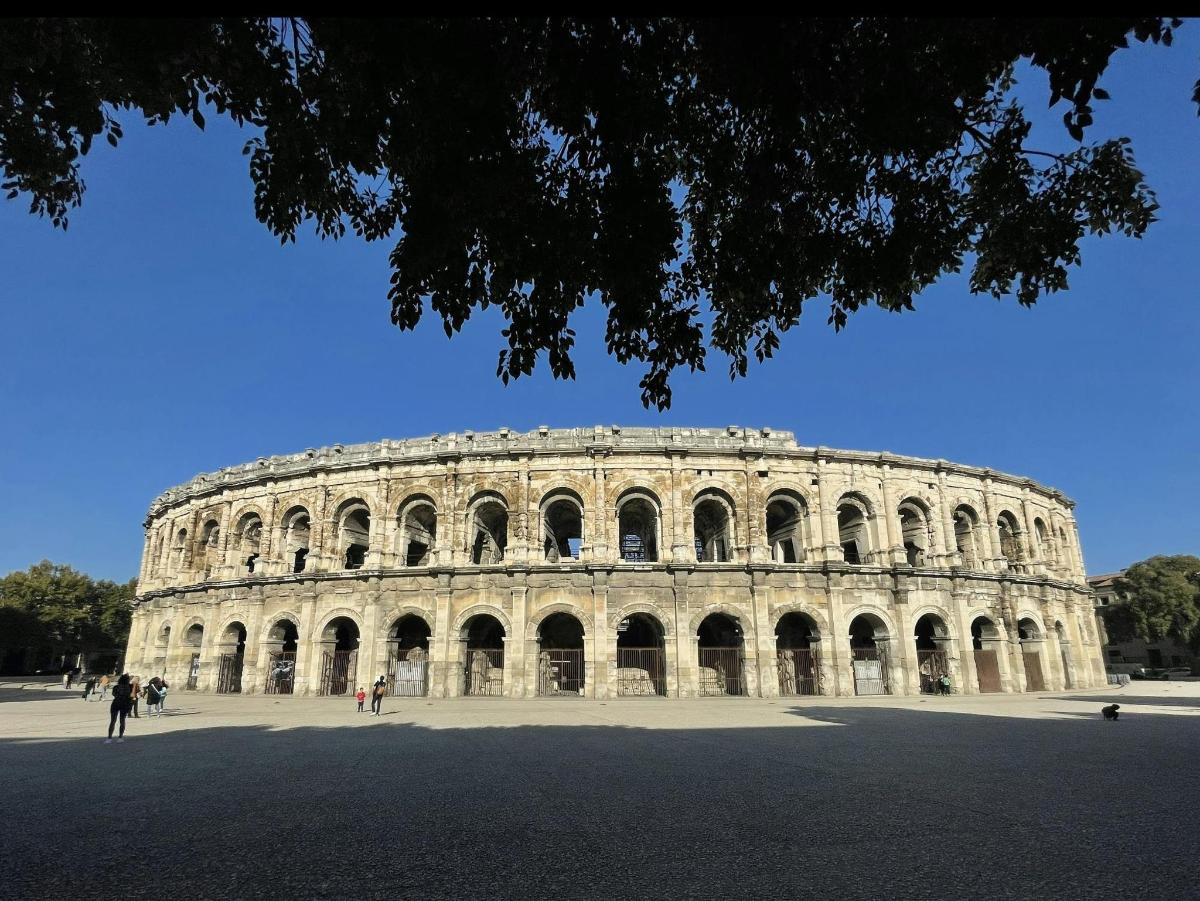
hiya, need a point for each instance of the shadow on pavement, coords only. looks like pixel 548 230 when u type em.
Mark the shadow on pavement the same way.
pixel 895 803
pixel 9 695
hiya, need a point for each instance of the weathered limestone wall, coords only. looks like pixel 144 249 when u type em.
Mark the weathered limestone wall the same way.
pixel 931 537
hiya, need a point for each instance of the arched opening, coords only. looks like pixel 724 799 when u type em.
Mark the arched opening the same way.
pixel 489 532
pixel 787 517
pixel 483 644
pixel 712 519
pixel 418 532
pixel 798 655
pixel 1064 647
pixel 985 639
pixel 1066 560
pixel 1010 545
pixel 193 638
pixel 560 656
pixel 180 552
pixel 966 537
pixel 1042 537
pixel 233 655
pixel 282 642
pixel 339 661
pixel 208 552
pixel 719 647
pixel 869 643
pixel 408 657
pixel 637 526
pixel 641 656
pixel 914 531
pixel 933 658
pixel 164 636
pixel 562 529
pixel 852 532
pixel 354 531
pixel 1030 635
pixel 297 528
pixel 248 542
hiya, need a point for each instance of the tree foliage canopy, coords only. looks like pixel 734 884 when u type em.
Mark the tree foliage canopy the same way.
pixel 53 604
pixel 660 166
pixel 1162 601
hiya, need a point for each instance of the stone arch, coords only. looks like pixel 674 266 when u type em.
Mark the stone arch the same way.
pixel 788 622
pixel 787 525
pixel 531 627
pixel 967 539
pixel 337 613
pixel 1009 531
pixel 884 627
pixel 416 529
pixel 714 525
pixel 1034 618
pixel 295 528
pixel 1042 541
pixel 645 609
pixel 395 614
pixel 743 619
pixel 916 530
pixel 855 514
pixel 352 521
pixel 561 518
pixel 984 627
pixel 193 632
pixel 274 619
pixel 638 514
pixel 808 610
pixel 245 548
pixel 487 527
pixel 474 610
pixel 941 613
pixel 208 542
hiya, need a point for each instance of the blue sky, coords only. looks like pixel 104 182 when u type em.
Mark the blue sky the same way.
pixel 167 333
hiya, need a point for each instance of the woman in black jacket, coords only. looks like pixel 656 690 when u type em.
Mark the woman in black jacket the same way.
pixel 122 703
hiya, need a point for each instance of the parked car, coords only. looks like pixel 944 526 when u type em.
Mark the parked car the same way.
pixel 1173 672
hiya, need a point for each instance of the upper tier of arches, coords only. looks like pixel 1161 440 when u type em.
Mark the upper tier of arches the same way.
pixel 720 508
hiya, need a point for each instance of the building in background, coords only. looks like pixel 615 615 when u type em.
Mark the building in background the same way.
pixel 1152 654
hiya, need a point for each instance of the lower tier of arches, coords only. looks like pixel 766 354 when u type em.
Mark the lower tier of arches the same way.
pixel 661 634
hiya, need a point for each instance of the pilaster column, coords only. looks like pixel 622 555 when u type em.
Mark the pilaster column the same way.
pixel 895 541
pixel 603 665
pixel 831 550
pixel 516 678
pixel 764 636
pixel 685 642
pixel 682 550
pixel 950 554
pixel 443 646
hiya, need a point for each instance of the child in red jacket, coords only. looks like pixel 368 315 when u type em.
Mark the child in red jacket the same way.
pixel 360 697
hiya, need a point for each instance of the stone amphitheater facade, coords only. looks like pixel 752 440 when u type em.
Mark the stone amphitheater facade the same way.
pixel 612 561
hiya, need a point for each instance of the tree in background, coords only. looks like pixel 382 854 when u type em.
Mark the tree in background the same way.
pixel 677 170
pixel 1160 601
pixel 51 612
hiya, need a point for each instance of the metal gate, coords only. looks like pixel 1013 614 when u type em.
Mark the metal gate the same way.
pixel 338 670
pixel 281 673
pixel 408 673
pixel 721 672
pixel 931 666
pixel 987 665
pixel 1034 680
pixel 229 674
pixel 870 671
pixel 560 672
pixel 193 673
pixel 484 672
pixel 799 671
pixel 641 672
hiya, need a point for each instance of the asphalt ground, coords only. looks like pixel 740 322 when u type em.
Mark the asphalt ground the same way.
pixel 1030 796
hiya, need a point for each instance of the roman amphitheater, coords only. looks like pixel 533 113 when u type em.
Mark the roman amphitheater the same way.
pixel 600 562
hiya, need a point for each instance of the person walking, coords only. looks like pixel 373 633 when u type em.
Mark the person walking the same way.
pixel 88 686
pixel 67 681
pixel 135 688
pixel 103 686
pixel 377 693
pixel 122 702
pixel 360 697
pixel 162 695
pixel 152 697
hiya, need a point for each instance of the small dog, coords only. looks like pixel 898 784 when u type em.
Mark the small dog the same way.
pixel 1110 712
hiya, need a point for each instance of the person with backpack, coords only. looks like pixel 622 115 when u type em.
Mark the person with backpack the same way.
pixel 153 697
pixel 377 693
pixel 122 703
pixel 135 687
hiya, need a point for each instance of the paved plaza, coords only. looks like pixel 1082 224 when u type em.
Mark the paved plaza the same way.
pixel 1028 796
